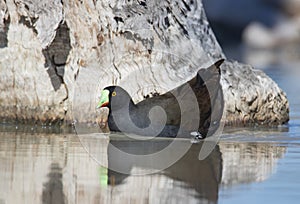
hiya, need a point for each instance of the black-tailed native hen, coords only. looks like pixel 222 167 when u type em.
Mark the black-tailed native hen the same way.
pixel 196 106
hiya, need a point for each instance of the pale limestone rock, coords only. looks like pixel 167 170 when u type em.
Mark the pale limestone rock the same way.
pixel 251 97
pixel 26 91
pixel 57 55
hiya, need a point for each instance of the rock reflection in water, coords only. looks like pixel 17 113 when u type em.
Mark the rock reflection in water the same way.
pixel 25 159
pixel 34 166
pixel 249 162
pixel 53 189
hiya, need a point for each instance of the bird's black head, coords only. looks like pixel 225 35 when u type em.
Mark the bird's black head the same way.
pixel 114 97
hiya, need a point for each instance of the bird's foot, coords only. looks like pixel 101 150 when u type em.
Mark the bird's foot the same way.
pixel 196 137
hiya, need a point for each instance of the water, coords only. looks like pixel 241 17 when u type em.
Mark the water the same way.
pixel 254 165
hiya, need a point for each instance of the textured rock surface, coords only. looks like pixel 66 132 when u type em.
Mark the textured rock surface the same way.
pixel 56 55
pixel 251 97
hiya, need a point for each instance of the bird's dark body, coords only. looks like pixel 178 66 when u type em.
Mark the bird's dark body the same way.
pixel 125 116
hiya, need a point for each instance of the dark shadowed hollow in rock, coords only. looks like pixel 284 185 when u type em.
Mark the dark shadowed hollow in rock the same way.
pixel 56 55
pixel 3 33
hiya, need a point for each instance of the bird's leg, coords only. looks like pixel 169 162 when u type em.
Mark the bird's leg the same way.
pixel 102 118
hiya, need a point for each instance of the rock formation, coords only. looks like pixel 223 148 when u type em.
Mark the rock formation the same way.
pixel 251 97
pixel 57 55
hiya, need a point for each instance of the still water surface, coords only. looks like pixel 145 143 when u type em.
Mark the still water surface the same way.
pixel 45 165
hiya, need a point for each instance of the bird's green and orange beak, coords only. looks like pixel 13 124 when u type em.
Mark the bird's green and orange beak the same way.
pixel 104 99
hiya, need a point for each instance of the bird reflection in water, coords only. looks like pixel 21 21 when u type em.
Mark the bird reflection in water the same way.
pixel 189 173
